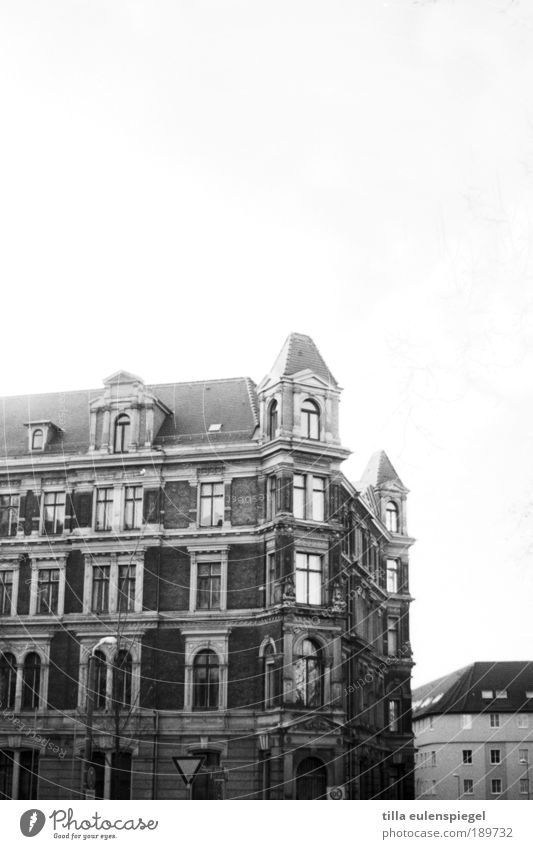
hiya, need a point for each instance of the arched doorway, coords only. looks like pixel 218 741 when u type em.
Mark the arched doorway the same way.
pixel 311 779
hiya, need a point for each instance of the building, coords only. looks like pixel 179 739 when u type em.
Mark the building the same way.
pixel 474 733
pixel 186 572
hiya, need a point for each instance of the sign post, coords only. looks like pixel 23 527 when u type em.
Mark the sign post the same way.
pixel 188 768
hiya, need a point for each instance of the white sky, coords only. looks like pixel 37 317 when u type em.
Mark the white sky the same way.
pixel 184 183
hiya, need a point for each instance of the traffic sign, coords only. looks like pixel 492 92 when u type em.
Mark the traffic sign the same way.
pixel 188 767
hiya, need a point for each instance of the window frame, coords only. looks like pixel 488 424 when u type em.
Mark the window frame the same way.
pixel 114 561
pixel 9 567
pixel 302 663
pixel 494 719
pixel 59 563
pixel 13 513
pixel 310 419
pixel 494 781
pixel 136 502
pixel 123 423
pixel 215 639
pixel 468 757
pixel 392 524
pixel 200 555
pixel 307 491
pixel 495 757
pixel 108 519
pixel 58 512
pixel 211 498
pixel 468 786
pixel 307 572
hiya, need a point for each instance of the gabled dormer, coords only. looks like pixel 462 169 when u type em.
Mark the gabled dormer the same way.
pixel 299 397
pixel 386 494
pixel 126 416
pixel 41 432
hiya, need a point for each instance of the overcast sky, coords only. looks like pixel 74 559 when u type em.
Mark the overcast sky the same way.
pixel 184 183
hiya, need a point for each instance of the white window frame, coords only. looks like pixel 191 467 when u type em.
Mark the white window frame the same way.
pixel 114 561
pixel 129 643
pixel 522 720
pixel 495 753
pixel 211 481
pixel 466 721
pixel 131 485
pixel 523 783
pixel 208 554
pixel 487 694
pixel 494 719
pixel 53 490
pixel 20 648
pixel 496 792
pixel 12 566
pixel 470 782
pixel 97 488
pixel 10 494
pixel 197 641
pixel 308 492
pixel 37 565
pixel 307 553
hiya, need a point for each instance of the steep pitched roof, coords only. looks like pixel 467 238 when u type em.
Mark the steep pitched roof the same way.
pixel 380 472
pixel 461 691
pixel 299 352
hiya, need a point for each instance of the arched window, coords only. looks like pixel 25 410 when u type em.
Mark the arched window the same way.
pixel 272 419
pixel 311 779
pixel 122 434
pixel 392 517
pixel 206 677
pixel 310 420
pixel 308 678
pixel 269 671
pixel 8 680
pixel 100 679
pixel 37 440
pixel 122 679
pixel 31 681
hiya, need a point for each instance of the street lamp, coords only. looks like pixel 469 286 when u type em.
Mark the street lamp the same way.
pixel 88 777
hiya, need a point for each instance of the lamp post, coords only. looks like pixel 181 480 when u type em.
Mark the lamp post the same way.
pixel 88 777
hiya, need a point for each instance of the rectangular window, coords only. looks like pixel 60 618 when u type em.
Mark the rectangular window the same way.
pixel 104 508
pixel 298 496
pixel 522 720
pixel 6 592
pixel 496 786
pixel 308 578
pixel 318 501
pixel 211 505
pixel 271 497
pixel 468 786
pixel 392 636
pixel 47 590
pixel 100 594
pixel 271 577
pixel 524 785
pixel 529 694
pixel 494 720
pixel 208 589
pixel 433 759
pixel 394 715
pixel 467 756
pixel 53 513
pixel 466 720
pixel 126 588
pixel 392 576
pixel 9 515
pixel 495 756
pixel 522 756
pixel 133 502
pixel 487 694
pixel 501 694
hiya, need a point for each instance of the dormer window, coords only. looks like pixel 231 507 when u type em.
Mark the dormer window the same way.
pixel 122 434
pixel 310 419
pixel 392 517
pixel 37 440
pixel 272 420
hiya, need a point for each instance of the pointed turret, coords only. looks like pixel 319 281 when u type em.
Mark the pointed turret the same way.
pixel 380 472
pixel 383 489
pixel 299 353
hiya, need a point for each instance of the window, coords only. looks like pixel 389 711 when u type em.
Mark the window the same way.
pixel 309 497
pixel 104 509
pixel 392 517
pixel 271 578
pixel 273 420
pixel 308 675
pixel 211 504
pixel 524 785
pixel 126 588
pixel 487 694
pixel 100 590
pixel 468 786
pixel 8 680
pixel 205 680
pixel 37 440
pixel 271 496
pixel 208 592
pixel 392 636
pixel 393 568
pixel 496 786
pixel 529 694
pixel 122 434
pixel 522 720
pixel 310 420
pixel 433 759
pixel 466 720
pixel 122 679
pixel 501 694
pixel 494 720
pixel 394 715
pixel 6 592
pixel 9 515
pixel 100 680
pixel 467 756
pixel 495 756
pixel 522 756
pixel 31 681
pixel 133 502
pixel 47 591
pixel 269 671
pixel 7 758
pixel 53 513
pixel 29 774
pixel 308 578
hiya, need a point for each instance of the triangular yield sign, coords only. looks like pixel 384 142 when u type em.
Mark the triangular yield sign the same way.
pixel 188 767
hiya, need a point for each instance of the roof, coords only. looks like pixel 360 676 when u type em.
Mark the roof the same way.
pixel 380 472
pixel 298 353
pixel 231 402
pixel 462 691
